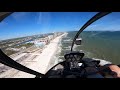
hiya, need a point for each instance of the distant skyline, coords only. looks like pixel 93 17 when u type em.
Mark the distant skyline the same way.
pixel 21 24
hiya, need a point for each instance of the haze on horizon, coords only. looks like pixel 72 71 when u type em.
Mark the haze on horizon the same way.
pixel 20 24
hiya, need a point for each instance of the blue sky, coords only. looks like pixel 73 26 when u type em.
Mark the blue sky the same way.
pixel 21 24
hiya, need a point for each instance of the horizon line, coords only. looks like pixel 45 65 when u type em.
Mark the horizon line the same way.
pixel 52 32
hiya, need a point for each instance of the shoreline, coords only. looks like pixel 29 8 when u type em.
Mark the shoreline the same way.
pixel 39 64
pixel 55 58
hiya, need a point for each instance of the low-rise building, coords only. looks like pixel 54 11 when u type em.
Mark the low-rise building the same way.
pixel 50 37
pixel 39 44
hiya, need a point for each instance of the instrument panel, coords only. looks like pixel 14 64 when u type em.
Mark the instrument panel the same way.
pixel 74 56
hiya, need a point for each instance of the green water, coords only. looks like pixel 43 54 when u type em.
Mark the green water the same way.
pixel 97 44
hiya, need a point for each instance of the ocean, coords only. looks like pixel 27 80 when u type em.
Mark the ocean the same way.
pixel 95 44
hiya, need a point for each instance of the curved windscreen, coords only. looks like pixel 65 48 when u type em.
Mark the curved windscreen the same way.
pixel 39 40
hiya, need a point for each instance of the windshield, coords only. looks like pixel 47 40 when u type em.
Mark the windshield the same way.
pixel 39 40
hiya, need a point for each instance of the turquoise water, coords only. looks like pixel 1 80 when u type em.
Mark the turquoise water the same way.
pixel 96 44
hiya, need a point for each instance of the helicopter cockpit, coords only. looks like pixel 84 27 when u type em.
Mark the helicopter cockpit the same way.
pixel 74 65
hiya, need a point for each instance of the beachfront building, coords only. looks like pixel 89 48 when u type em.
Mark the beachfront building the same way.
pixel 57 34
pixel 45 40
pixel 50 37
pixel 39 44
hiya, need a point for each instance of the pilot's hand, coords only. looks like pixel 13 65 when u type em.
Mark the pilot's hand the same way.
pixel 115 71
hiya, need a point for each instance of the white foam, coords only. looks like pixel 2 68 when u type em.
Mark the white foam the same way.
pixel 103 62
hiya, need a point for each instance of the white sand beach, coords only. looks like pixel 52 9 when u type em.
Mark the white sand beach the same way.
pixel 39 63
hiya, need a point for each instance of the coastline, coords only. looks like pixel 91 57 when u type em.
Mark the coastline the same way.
pixel 40 64
pixel 55 58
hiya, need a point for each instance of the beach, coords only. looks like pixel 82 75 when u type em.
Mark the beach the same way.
pixel 40 63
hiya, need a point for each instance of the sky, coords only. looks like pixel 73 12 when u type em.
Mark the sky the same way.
pixel 21 24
